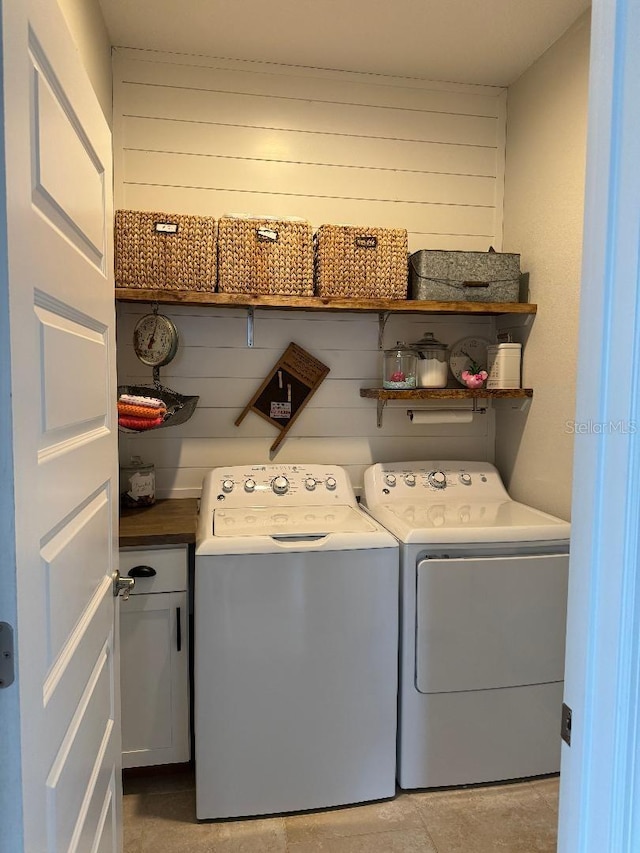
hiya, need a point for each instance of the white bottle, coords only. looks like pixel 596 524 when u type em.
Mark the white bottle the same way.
pixel 504 365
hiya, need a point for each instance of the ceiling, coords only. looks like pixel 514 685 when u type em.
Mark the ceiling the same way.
pixel 469 41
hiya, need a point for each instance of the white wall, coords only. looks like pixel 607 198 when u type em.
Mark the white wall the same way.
pixel 197 135
pixel 338 426
pixel 543 211
pixel 85 21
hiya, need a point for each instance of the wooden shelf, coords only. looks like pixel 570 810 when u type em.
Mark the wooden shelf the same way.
pixel 444 393
pixel 383 395
pixel 318 303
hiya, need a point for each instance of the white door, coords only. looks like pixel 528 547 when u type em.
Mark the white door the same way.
pixel 58 513
pixel 600 780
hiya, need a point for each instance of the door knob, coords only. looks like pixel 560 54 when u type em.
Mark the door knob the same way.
pixel 122 586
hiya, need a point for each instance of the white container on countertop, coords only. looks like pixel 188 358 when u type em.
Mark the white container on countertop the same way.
pixel 504 361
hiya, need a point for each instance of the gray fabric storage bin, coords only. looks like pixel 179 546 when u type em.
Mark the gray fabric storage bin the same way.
pixel 442 276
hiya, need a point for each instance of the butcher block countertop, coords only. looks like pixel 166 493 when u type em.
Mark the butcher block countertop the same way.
pixel 167 522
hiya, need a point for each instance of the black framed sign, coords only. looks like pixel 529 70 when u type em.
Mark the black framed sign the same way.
pixel 286 390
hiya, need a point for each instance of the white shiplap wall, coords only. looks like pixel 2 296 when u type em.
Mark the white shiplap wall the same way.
pixel 200 135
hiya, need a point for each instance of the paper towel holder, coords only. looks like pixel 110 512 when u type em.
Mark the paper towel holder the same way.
pixel 475 409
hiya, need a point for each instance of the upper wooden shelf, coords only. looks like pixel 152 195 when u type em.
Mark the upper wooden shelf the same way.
pixel 318 303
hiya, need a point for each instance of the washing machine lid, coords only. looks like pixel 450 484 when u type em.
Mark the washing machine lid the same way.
pixel 252 530
pixel 470 521
pixel 290 521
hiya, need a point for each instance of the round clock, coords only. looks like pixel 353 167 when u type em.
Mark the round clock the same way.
pixel 466 351
pixel 155 340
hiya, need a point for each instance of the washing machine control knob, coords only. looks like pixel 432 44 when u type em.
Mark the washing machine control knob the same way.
pixel 410 479
pixel 437 479
pixel 280 485
pixel 465 479
pixel 390 479
pixel 310 484
pixel 227 486
pixel 331 483
pixel 249 485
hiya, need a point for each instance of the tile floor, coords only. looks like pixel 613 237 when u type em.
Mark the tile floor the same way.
pixel 520 817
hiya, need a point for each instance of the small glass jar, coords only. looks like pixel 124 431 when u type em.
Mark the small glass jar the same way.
pixel 399 367
pixel 137 483
pixel 433 367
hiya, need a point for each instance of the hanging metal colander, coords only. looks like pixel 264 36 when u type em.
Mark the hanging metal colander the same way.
pixel 179 407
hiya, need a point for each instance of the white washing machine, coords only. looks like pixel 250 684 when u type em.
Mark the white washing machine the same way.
pixel 483 602
pixel 296 644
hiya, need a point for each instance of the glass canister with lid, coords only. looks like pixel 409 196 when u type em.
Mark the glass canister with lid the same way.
pixel 137 483
pixel 399 370
pixel 433 366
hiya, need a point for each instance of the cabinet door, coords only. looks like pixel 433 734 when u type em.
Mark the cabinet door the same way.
pixel 154 679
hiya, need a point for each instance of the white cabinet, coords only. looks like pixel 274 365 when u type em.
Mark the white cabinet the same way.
pixel 154 657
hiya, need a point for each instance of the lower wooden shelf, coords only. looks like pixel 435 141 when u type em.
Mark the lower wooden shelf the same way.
pixel 443 393
pixel 383 395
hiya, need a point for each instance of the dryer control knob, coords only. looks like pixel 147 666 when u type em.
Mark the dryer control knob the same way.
pixel 227 486
pixel 310 484
pixel 280 485
pixel 410 479
pixel 249 485
pixel 331 483
pixel 390 479
pixel 437 479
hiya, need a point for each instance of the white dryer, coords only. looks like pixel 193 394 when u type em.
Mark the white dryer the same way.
pixel 483 603
pixel 296 644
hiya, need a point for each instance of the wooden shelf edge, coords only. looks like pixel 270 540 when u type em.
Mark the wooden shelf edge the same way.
pixel 317 303
pixel 170 521
pixel 444 393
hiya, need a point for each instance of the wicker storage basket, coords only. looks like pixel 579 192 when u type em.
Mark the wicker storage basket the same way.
pixel 166 251
pixel 363 263
pixel 268 256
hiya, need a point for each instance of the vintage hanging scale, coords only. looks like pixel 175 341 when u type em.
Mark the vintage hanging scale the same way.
pixel 155 339
pixel 155 343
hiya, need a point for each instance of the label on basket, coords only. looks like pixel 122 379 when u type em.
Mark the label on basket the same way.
pixel 167 227
pixel 366 241
pixel 267 235
pixel 280 410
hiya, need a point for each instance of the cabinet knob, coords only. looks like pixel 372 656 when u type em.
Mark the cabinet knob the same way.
pixel 141 572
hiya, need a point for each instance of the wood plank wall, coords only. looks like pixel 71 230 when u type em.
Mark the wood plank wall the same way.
pixel 200 135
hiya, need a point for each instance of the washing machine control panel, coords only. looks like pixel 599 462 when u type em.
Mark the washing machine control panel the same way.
pixel 437 480
pixel 267 485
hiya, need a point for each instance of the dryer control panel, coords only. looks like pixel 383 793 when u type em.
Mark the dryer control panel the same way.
pixel 279 485
pixel 432 479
